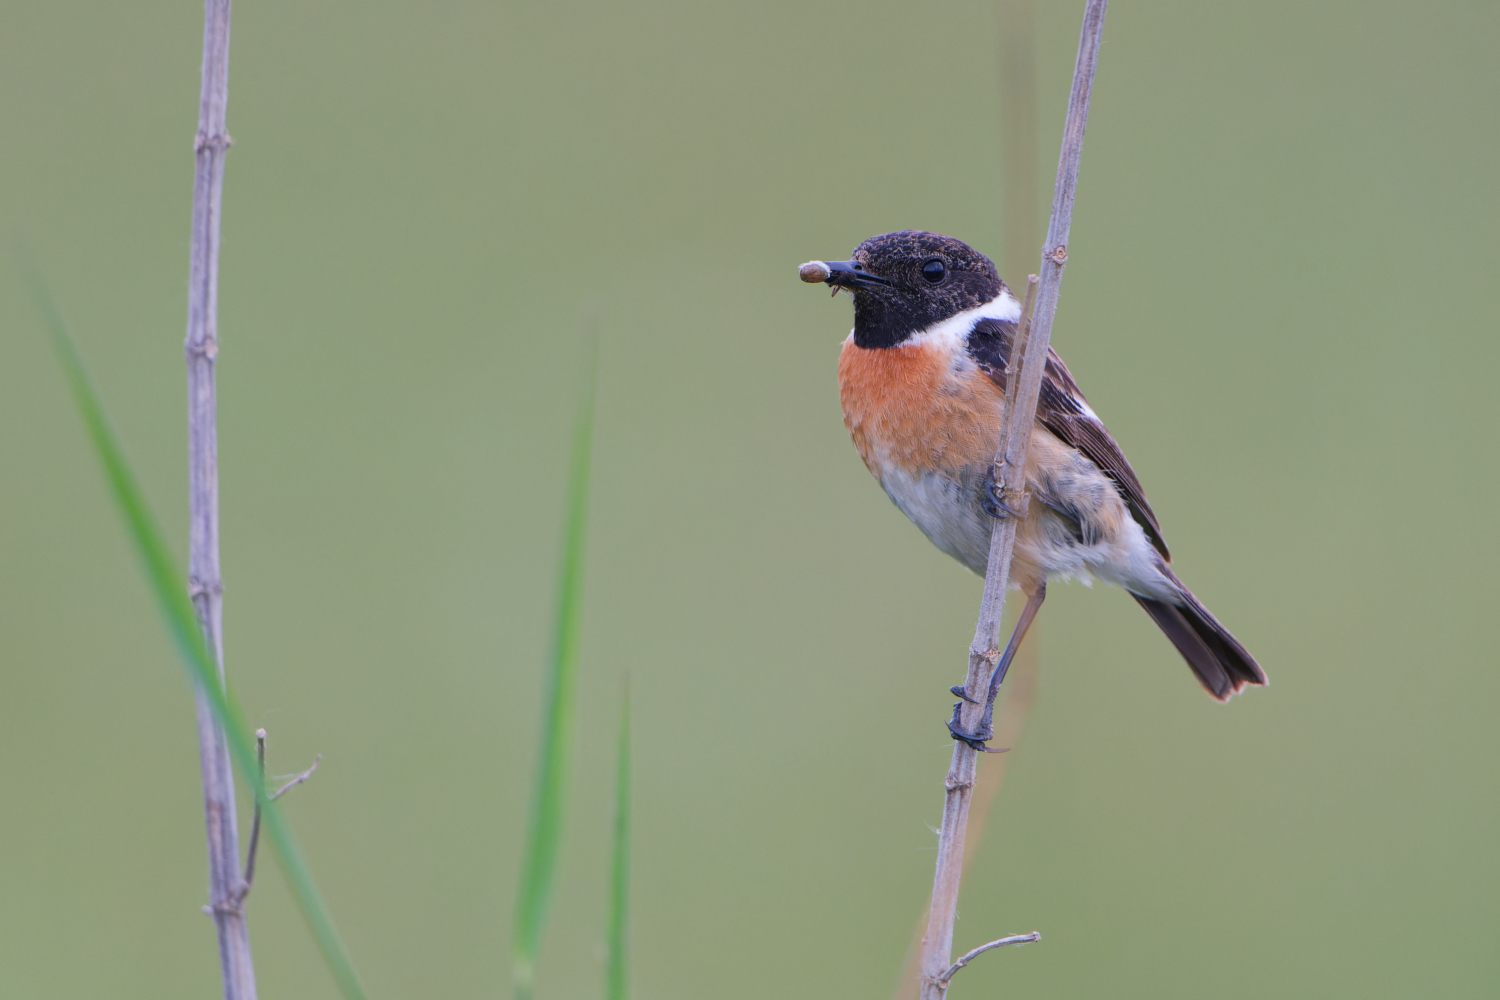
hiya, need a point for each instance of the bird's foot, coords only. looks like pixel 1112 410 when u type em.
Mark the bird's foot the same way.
pixel 994 498
pixel 976 738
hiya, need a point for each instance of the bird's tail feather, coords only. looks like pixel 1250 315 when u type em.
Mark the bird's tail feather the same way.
pixel 1223 666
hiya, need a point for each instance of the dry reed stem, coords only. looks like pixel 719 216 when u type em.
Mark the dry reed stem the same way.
pixel 1016 24
pixel 1035 333
pixel 248 879
pixel 226 893
pixel 1020 685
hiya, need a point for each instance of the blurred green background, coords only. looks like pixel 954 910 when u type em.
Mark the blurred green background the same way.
pixel 1280 297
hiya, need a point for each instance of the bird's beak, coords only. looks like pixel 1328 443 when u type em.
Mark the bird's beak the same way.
pixel 841 274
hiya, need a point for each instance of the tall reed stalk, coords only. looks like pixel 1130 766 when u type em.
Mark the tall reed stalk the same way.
pixel 170 592
pixel 1023 388
pixel 205 585
pixel 1019 238
pixel 192 609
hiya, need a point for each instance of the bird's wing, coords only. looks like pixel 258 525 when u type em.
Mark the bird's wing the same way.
pixel 1063 410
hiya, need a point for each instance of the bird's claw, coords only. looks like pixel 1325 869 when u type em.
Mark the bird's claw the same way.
pixel 959 692
pixel 992 499
pixel 995 507
pixel 976 739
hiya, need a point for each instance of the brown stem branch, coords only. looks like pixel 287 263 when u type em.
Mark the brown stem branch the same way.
pixel 260 763
pixel 260 760
pixel 1010 459
pixel 1013 939
pixel 205 584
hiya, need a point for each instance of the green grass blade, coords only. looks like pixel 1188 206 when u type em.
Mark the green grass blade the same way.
pixel 169 588
pixel 549 794
pixel 617 976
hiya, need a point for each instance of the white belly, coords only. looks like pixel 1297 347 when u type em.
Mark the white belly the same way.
pixel 948 512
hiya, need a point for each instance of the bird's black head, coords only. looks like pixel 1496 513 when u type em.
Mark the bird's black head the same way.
pixel 903 283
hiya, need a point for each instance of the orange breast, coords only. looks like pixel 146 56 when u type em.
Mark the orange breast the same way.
pixel 918 408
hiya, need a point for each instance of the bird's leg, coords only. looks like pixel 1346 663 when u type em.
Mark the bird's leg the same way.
pixel 986 728
pixel 992 498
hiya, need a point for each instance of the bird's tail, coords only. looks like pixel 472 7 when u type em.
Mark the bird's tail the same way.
pixel 1223 666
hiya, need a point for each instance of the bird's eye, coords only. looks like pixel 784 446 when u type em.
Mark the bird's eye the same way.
pixel 934 272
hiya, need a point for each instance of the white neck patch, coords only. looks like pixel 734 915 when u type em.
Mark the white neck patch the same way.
pixel 953 332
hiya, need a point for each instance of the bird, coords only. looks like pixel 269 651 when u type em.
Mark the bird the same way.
pixel 922 386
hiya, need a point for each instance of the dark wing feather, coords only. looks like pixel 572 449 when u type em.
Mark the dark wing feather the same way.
pixel 1063 410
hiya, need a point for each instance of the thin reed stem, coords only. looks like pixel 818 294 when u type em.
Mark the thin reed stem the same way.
pixel 1010 720
pixel 1019 238
pixel 205 585
pixel 1022 391
pixel 248 879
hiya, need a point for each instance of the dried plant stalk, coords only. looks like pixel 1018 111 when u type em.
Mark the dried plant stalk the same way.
pixel 1010 720
pixel 226 886
pixel 1019 238
pixel 1023 389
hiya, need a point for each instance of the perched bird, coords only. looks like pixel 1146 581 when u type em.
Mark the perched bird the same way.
pixel 922 378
